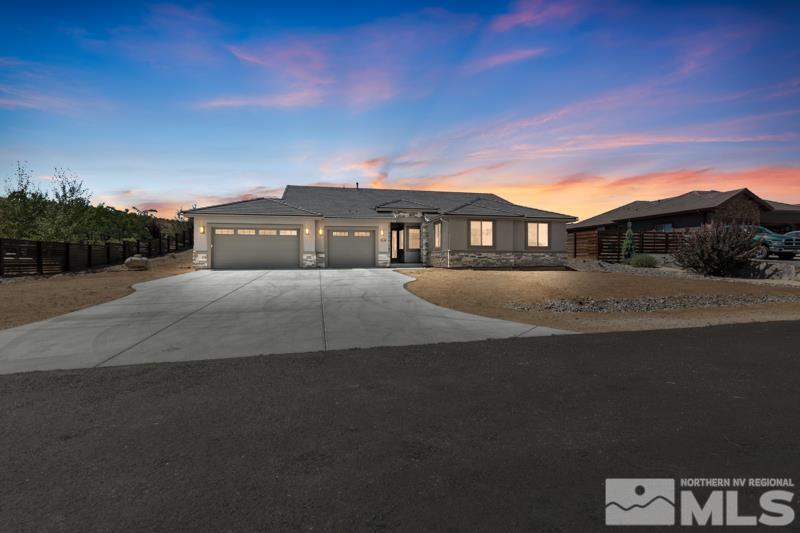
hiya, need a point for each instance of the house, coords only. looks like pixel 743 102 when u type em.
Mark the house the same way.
pixel 654 221
pixel 692 210
pixel 336 227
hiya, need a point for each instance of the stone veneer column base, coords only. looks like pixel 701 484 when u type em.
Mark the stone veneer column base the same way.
pixel 491 259
pixel 200 259
pixel 309 260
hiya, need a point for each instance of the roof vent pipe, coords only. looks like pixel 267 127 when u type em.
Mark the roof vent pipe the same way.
pixel 356 185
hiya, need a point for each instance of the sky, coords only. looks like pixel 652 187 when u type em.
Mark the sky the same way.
pixel 571 106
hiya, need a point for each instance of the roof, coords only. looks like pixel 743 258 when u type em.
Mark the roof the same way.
pixel 780 206
pixel 340 202
pixel 255 206
pixel 685 203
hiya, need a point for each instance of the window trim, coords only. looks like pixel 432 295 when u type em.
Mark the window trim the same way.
pixel 549 235
pixel 481 246
pixel 437 226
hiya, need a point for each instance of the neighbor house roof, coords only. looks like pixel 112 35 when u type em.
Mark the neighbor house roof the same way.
pixel 780 206
pixel 255 206
pixel 685 203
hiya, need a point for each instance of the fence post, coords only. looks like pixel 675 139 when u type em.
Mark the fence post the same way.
pixel 2 259
pixel 641 243
pixel 666 243
pixel 88 257
pixel 124 250
pixel 160 248
pixel 39 258
pixel 138 247
pixel 66 257
pixel 108 254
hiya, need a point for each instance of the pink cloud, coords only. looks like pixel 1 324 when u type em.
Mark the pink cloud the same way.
pixel 359 66
pixel 504 58
pixel 303 98
pixel 531 13
pixel 23 98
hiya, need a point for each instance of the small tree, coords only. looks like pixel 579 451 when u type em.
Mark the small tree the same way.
pixel 717 249
pixel 24 206
pixel 628 245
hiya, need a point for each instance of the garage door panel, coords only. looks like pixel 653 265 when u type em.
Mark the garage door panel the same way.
pixel 353 248
pixel 256 248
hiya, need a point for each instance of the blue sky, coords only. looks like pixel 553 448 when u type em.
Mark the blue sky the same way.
pixel 572 106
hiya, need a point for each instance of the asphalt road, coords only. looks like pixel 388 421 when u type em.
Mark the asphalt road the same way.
pixel 515 434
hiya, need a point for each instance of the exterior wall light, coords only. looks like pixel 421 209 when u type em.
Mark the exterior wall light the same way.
pixel 307 230
pixel 320 232
pixel 202 229
pixel 382 234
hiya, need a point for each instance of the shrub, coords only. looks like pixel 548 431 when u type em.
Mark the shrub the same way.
pixel 629 245
pixel 717 249
pixel 643 261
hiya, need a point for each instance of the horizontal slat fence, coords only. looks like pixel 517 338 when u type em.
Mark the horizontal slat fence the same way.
pixel 607 245
pixel 26 258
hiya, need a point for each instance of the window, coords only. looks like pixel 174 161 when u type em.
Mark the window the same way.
pixel 246 231
pixel 413 238
pixel 267 232
pixel 288 232
pixel 437 235
pixel 340 233
pixel 538 234
pixel 664 228
pixel 223 231
pixel 362 234
pixel 481 233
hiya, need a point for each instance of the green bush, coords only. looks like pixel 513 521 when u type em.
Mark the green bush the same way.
pixel 629 245
pixel 643 261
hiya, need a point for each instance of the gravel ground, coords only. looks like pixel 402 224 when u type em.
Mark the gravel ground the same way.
pixel 627 302
pixel 648 304
pixel 29 299
pixel 512 435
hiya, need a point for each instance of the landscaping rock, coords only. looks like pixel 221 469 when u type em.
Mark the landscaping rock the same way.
pixel 137 262
pixel 648 303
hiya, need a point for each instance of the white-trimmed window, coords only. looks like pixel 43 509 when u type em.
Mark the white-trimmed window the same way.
pixel 362 234
pixel 268 232
pixel 481 233
pixel 413 238
pixel 340 233
pixel 538 234
pixel 223 231
pixel 288 232
pixel 437 235
pixel 242 231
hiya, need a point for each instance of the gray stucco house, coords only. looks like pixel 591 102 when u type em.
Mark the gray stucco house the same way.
pixel 336 227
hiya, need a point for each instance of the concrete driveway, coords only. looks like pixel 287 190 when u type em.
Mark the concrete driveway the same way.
pixel 219 314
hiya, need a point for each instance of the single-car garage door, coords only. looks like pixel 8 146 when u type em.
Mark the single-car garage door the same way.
pixel 255 248
pixel 351 248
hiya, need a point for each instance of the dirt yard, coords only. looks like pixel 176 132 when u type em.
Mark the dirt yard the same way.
pixel 26 300
pixel 507 294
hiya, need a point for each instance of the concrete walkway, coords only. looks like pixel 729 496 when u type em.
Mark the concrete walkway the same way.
pixel 219 314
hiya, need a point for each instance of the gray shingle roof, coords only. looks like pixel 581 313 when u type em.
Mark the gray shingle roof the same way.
pixel 339 202
pixel 685 203
pixel 780 206
pixel 256 206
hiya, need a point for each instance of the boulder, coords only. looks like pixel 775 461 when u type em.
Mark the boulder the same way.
pixel 137 262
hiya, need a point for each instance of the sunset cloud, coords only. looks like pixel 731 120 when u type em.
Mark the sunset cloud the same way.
pixel 530 13
pixel 503 58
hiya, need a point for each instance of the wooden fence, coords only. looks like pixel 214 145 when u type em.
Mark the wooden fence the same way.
pixel 26 258
pixel 607 245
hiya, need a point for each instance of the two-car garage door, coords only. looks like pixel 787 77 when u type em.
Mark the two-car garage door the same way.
pixel 255 248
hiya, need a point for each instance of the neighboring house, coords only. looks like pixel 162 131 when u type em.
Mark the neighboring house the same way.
pixel 692 210
pixel 315 227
